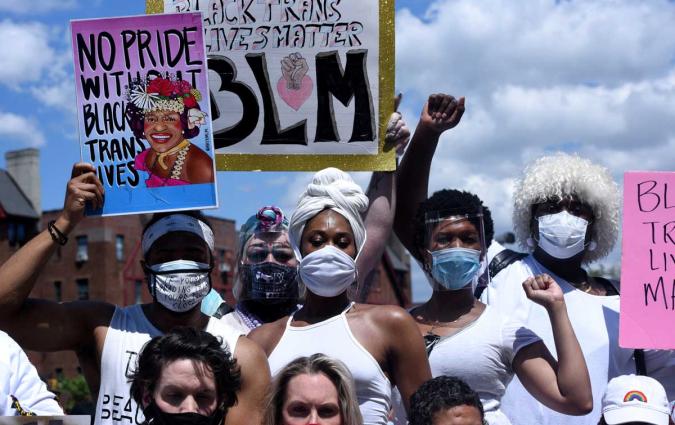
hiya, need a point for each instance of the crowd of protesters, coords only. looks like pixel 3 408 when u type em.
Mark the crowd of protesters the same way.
pixel 505 338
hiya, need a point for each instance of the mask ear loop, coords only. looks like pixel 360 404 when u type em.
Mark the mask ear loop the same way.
pixel 150 277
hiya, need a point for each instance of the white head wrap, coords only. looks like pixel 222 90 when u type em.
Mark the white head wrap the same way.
pixel 333 189
pixel 176 223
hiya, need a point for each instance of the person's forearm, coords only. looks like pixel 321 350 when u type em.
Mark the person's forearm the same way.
pixel 572 374
pixel 413 182
pixel 19 273
pixel 378 220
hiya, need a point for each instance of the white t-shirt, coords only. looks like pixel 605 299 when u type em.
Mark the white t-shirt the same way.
pixel 595 320
pixel 19 378
pixel 481 354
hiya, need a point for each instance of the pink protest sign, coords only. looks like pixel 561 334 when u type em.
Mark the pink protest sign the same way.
pixel 143 111
pixel 648 261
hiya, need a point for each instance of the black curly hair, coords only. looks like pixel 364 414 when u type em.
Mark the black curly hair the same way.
pixel 135 117
pixel 454 200
pixel 438 394
pixel 186 343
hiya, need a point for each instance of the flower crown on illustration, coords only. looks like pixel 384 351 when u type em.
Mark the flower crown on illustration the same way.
pixel 167 94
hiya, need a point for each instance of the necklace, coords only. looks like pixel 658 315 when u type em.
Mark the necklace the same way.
pixel 179 147
pixel 431 338
pixel 177 167
pixel 438 324
pixel 180 160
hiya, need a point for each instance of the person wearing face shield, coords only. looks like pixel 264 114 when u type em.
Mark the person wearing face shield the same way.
pixel 177 259
pixel 266 285
pixel 476 343
pixel 566 213
pixel 380 345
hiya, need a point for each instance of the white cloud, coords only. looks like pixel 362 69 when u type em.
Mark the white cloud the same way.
pixel 34 7
pixel 477 46
pixel 20 130
pixel 542 76
pixel 59 95
pixel 30 54
pixel 593 77
pixel 39 63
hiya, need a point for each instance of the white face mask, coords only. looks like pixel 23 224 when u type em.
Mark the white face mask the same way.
pixel 562 235
pixel 179 285
pixel 327 272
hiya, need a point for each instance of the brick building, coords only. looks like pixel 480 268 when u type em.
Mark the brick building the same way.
pixel 101 260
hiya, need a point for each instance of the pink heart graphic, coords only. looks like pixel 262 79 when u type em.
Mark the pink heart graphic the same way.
pixel 295 98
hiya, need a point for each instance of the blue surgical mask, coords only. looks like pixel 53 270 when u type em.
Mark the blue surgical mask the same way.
pixel 455 268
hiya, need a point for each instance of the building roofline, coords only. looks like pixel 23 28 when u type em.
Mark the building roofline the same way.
pixel 55 210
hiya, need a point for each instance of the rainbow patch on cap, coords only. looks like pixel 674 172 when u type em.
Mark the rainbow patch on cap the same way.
pixel 635 396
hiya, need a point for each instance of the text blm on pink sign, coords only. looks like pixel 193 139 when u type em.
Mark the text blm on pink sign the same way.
pixel 648 261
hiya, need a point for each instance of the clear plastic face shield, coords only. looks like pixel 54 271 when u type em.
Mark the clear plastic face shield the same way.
pixel 455 250
pixel 267 265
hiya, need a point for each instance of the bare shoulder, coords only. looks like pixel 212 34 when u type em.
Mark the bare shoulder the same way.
pixel 386 316
pixel 268 335
pixel 248 353
pixel 199 166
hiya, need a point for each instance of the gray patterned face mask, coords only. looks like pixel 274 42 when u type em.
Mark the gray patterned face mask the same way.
pixel 179 285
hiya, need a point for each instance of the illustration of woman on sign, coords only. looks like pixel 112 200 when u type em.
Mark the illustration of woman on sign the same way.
pixel 166 113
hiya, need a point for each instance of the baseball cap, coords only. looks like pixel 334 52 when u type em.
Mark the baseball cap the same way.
pixel 632 398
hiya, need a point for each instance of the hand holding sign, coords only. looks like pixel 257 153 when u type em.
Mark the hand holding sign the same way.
pixel 398 133
pixel 83 187
pixel 442 112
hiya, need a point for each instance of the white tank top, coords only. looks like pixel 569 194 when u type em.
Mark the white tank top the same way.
pixel 333 338
pixel 128 332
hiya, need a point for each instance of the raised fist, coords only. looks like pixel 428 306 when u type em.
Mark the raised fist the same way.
pixel 293 69
pixel 442 112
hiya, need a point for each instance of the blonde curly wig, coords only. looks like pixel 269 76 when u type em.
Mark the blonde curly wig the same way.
pixel 560 175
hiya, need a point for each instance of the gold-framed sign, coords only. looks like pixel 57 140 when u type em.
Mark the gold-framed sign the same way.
pixel 298 85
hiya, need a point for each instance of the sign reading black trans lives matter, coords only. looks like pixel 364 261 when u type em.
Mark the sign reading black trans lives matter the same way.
pixel 297 84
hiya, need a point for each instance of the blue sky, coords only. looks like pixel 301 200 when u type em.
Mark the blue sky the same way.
pixel 593 77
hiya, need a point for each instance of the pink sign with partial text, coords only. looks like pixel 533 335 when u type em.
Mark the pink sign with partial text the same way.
pixel 648 261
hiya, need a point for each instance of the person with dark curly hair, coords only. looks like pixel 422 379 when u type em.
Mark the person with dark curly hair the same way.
pixel 166 113
pixel 449 235
pixel 446 400
pixel 185 376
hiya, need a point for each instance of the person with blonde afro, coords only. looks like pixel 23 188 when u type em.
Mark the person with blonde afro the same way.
pixel 566 212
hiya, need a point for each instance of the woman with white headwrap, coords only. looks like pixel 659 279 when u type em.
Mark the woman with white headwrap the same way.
pixel 380 344
pixel 566 213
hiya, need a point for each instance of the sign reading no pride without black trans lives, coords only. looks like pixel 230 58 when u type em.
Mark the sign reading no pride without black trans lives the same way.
pixel 142 104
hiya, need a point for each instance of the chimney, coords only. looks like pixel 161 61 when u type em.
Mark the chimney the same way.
pixel 24 167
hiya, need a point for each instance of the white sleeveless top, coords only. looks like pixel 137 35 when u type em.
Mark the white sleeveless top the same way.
pixel 333 338
pixel 128 332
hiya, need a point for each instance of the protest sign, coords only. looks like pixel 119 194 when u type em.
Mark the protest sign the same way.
pixel 298 84
pixel 141 85
pixel 648 261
